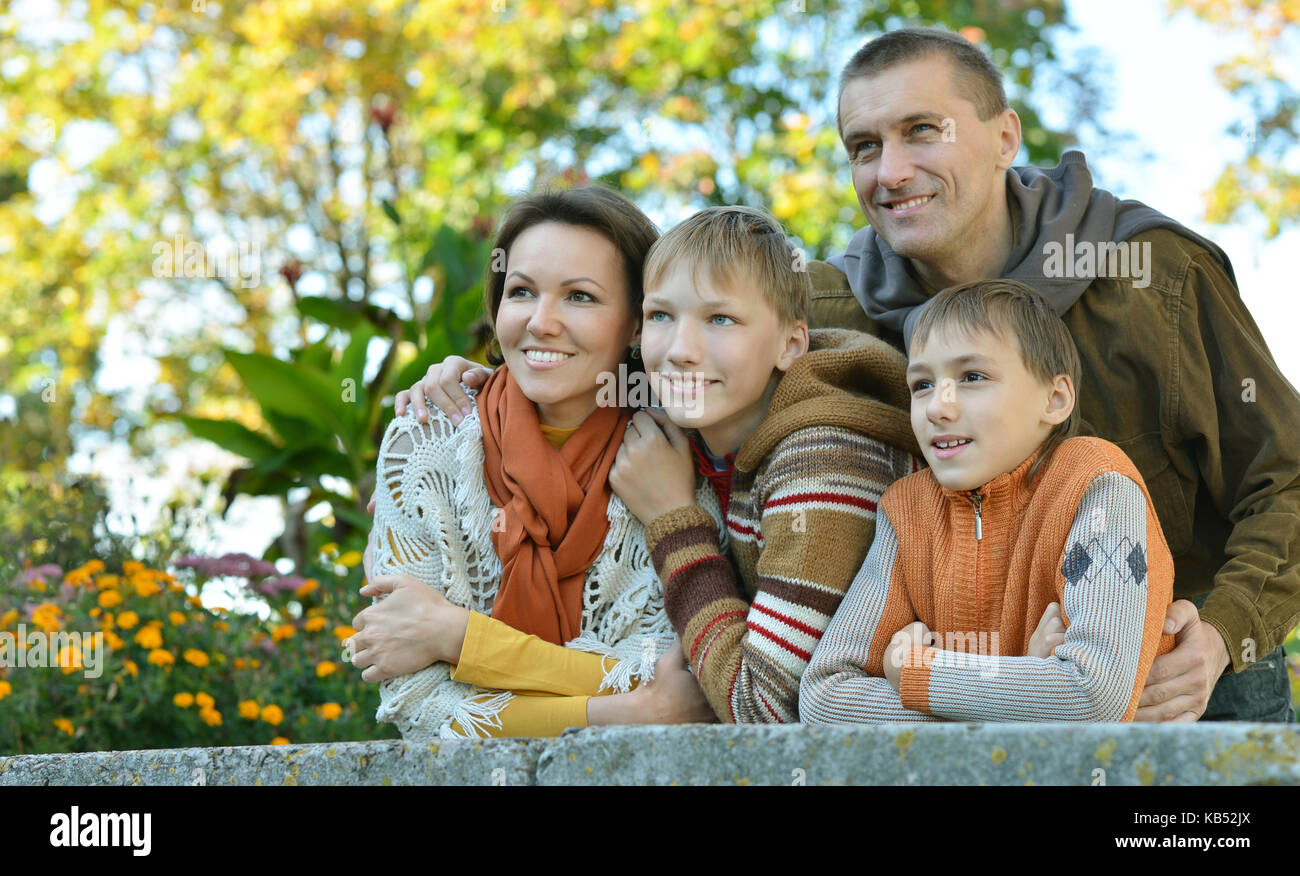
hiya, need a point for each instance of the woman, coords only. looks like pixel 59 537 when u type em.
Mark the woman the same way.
pixel 507 511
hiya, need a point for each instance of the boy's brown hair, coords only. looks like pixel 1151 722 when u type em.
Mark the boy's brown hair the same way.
pixel 1010 308
pixel 734 245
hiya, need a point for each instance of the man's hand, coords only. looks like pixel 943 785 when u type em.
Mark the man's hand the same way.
pixel 899 651
pixel 441 384
pixel 672 697
pixel 1179 685
pixel 654 471
pixel 1049 634
pixel 414 627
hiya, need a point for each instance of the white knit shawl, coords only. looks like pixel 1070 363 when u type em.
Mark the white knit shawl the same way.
pixel 441 526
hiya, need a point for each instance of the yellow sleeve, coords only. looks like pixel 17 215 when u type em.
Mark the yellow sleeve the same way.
pixel 538 715
pixel 495 655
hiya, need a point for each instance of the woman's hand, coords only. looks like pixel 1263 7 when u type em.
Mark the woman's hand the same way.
pixel 414 627
pixel 654 471
pixel 1050 633
pixel 672 697
pixel 899 652
pixel 441 384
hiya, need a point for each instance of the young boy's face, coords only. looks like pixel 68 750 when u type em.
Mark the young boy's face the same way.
pixel 712 350
pixel 977 411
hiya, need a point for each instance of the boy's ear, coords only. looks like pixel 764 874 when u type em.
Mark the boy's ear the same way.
pixel 796 345
pixel 1060 401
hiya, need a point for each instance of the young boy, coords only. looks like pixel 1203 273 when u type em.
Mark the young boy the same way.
pixel 797 462
pixel 1013 515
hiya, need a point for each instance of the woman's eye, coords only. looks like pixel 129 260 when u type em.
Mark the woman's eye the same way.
pixel 518 292
pixel 579 295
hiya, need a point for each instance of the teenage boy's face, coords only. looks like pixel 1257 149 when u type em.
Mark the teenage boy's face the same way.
pixel 977 411
pixel 712 350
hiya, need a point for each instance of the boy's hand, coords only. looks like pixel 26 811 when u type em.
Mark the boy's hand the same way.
pixel 1050 633
pixel 899 652
pixel 441 384
pixel 654 472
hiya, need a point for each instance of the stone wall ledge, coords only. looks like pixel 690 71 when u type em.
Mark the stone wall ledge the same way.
pixel 911 754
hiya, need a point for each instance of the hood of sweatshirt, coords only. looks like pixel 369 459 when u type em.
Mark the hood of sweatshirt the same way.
pixel 846 379
pixel 1046 205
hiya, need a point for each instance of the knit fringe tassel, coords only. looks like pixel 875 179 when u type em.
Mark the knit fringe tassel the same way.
pixel 477 716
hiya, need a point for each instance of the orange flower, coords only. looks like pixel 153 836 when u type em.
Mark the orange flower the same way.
pixel 106 582
pixel 314 624
pixel 279 740
pixel 282 632
pixel 326 667
pixel 69 659
pixel 9 617
pixel 128 619
pixel 344 632
pixel 115 642
pixel 204 700
pixel 350 559
pixel 306 587
pixel 132 668
pixel 196 657
pixel 131 567
pixel 161 657
pixel 5 689
pixel 109 599
pixel 145 585
pixel 65 725
pixel 176 617
pixel 46 616
pixel 272 715
pixel 330 711
pixel 149 637
pixel 248 709
pixel 222 626
pixel 184 700
pixel 211 717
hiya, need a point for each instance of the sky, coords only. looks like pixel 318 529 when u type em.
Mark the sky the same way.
pixel 1162 100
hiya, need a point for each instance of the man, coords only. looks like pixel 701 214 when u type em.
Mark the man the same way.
pixel 1174 368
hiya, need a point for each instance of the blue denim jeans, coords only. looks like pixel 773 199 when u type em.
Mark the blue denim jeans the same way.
pixel 1260 692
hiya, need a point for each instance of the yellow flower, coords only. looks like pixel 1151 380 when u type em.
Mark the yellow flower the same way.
pixel 184 700
pixel 176 617
pixel 306 587
pixel 115 642
pixel 37 584
pixel 160 657
pixel 204 700
pixel 130 567
pixel 248 709
pixel 5 689
pixel 196 657
pixel 279 740
pixel 156 624
pixel 343 633
pixel 110 599
pixel 314 624
pixel 9 617
pixel 145 585
pixel 132 668
pixel 194 601
pixel 149 637
pixel 211 717
pixel 330 548
pixel 272 715
pixel 46 617
pixel 351 558
pixel 65 725
pixel 69 659
pixel 95 612
pixel 283 631
pixel 257 664
pixel 222 626
pixel 326 667
pixel 330 711
pixel 106 582
pixel 128 619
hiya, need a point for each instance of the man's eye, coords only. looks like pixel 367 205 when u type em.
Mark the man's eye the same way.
pixel 922 126
pixel 860 148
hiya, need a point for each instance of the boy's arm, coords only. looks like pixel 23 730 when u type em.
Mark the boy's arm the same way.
pixel 819 490
pixel 845 683
pixel 1115 612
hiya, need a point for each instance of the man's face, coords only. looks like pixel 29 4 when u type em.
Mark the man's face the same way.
pixel 977 411
pixel 927 171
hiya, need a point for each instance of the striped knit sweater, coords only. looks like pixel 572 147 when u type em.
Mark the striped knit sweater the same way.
pixel 1083 534
pixel 800 520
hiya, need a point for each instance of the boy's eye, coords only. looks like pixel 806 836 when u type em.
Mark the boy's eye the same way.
pixel 717 316
pixel 920 386
pixel 654 316
pixel 973 375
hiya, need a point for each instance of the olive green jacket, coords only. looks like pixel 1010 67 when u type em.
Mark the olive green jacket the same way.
pixel 1178 375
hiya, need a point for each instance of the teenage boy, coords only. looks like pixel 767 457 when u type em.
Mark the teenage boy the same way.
pixel 1013 515
pixel 798 463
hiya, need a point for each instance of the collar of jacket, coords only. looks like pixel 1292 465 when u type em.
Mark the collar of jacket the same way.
pixel 1001 499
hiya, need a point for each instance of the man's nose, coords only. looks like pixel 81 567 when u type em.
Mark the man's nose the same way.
pixel 895 168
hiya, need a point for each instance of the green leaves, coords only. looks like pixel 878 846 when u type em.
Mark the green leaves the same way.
pixel 233 436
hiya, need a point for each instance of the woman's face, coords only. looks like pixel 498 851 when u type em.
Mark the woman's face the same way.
pixel 564 318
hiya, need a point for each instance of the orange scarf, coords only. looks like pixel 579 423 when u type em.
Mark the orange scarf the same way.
pixel 552 504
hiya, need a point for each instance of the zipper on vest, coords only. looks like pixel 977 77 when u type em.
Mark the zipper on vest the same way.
pixel 979 524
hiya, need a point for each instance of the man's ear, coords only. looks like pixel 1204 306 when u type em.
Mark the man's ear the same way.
pixel 796 344
pixel 1008 138
pixel 1060 400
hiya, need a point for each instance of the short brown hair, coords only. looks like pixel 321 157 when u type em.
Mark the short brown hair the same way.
pixel 1008 307
pixel 601 209
pixel 976 77
pixel 735 244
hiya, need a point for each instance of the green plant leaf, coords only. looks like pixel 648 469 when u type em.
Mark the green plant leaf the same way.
pixel 233 436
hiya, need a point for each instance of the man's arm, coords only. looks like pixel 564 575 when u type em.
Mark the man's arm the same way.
pixel 1243 418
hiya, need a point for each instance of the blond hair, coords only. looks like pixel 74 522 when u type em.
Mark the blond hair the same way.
pixel 734 245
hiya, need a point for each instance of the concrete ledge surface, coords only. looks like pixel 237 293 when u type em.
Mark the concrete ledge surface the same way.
pixel 701 754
